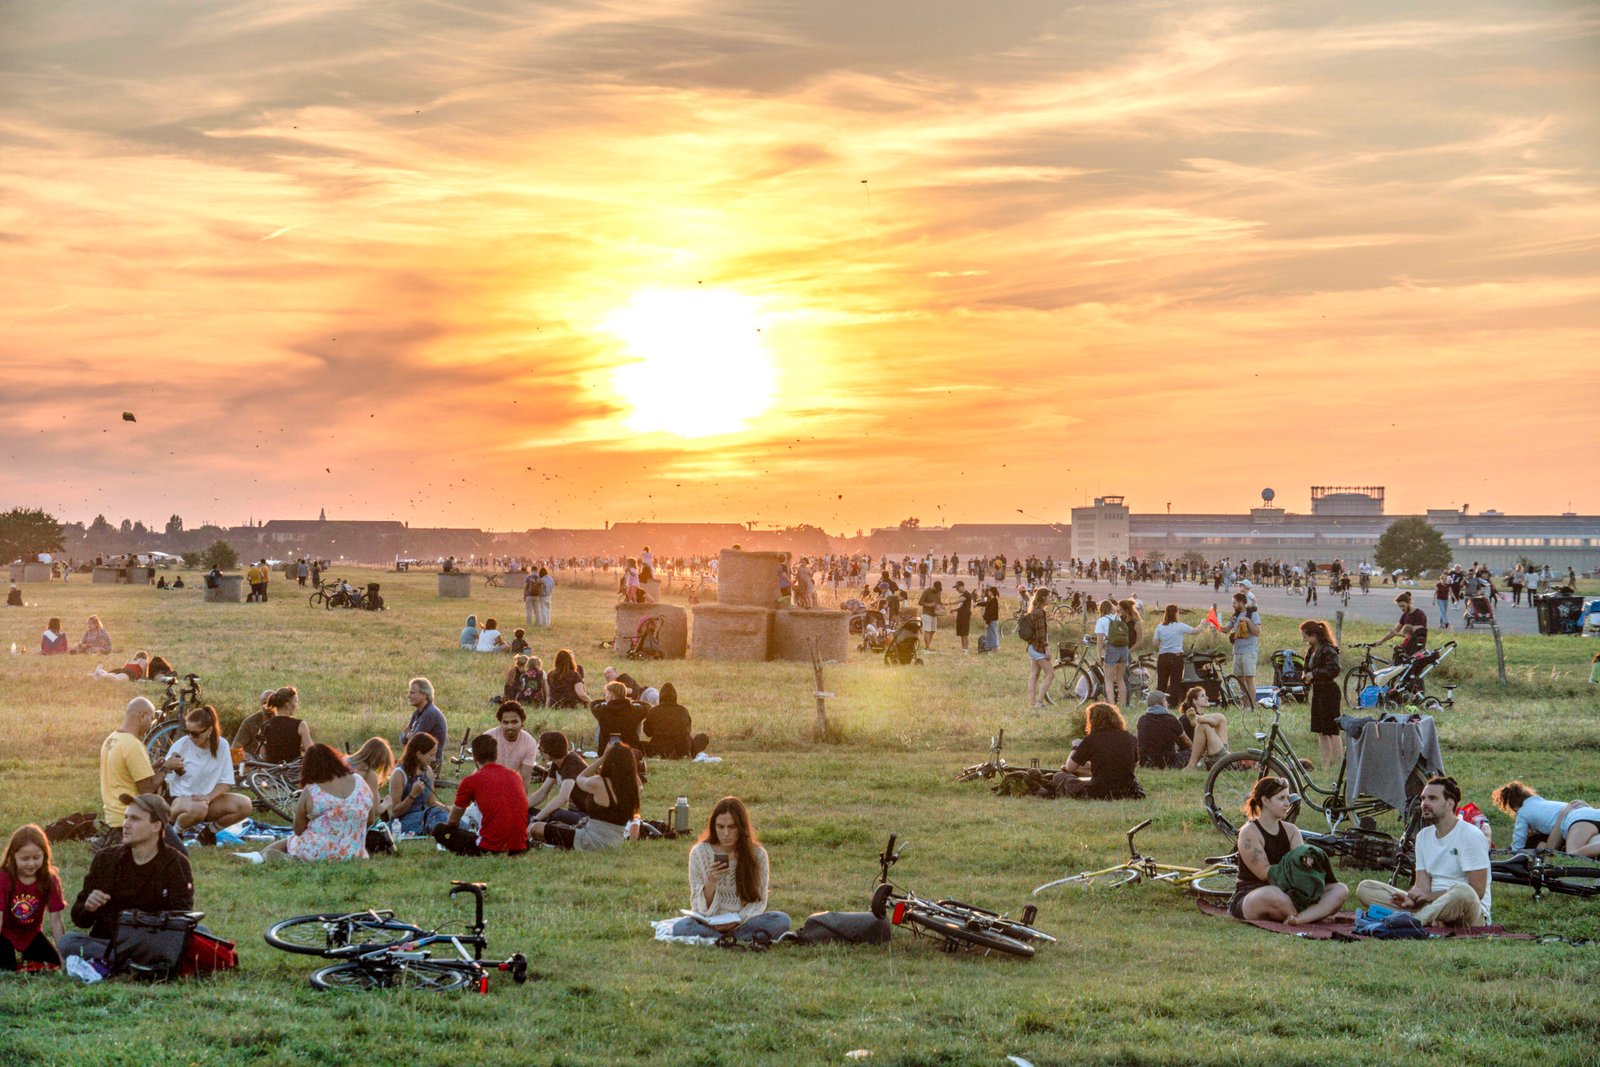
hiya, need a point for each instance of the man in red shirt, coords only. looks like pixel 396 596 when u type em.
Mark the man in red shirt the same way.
pixel 502 801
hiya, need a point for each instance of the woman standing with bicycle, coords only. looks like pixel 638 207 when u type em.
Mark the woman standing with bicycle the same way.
pixel 1322 671
pixel 1034 628
pixel 1265 840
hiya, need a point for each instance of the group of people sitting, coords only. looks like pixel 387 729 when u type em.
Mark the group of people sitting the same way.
pixel 488 638
pixel 1102 765
pixel 54 642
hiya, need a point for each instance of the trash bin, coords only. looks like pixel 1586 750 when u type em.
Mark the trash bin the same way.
pixel 1559 614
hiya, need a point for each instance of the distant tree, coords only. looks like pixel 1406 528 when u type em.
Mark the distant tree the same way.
pixel 100 527
pixel 912 523
pixel 175 526
pixel 1193 559
pixel 221 555
pixel 140 529
pixel 127 526
pixel 1413 546
pixel 26 532
pixel 191 559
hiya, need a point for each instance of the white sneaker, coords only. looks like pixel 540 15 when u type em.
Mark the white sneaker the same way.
pixel 249 857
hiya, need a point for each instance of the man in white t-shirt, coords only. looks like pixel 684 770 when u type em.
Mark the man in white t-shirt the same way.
pixel 1453 885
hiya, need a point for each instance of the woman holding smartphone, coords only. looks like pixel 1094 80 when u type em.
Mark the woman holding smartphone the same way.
pixel 728 880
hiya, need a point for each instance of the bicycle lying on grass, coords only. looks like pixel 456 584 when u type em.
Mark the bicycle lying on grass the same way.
pixel 1540 871
pixel 1215 881
pixel 956 926
pixel 275 786
pixel 379 951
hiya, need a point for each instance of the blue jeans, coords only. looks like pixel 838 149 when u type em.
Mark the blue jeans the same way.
pixel 773 923
pixel 1444 612
pixel 991 637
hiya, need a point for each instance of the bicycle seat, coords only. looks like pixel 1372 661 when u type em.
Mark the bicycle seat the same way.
pixel 456 887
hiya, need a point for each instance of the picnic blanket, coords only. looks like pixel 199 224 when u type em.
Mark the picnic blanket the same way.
pixel 1343 924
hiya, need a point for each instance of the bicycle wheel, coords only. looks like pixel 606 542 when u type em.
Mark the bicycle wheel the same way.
pixel 1115 878
pixel 421 975
pixel 1572 879
pixel 316 599
pixel 314 935
pixel 1229 785
pixel 276 793
pixel 162 738
pixel 949 927
pixel 1216 887
pixel 1232 692
pixel 1080 687
pixel 1355 680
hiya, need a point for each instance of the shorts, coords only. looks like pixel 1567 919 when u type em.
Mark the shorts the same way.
pixel 1118 654
pixel 1244 664
pixel 929 624
pixel 1035 655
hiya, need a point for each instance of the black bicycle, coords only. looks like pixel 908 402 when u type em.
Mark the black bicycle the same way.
pixel 378 951
pixel 956 926
pixel 994 766
pixel 168 726
pixel 1555 872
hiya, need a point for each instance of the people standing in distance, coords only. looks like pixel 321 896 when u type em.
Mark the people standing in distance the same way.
pixel 541 610
pixel 931 602
pixel 990 641
pixel 1244 630
pixel 1265 840
pixel 1169 652
pixel 1452 884
pixel 1322 671
pixel 1414 640
pixel 964 600
pixel 1041 668
pixel 730 875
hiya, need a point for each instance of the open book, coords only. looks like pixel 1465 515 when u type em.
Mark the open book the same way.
pixel 725 919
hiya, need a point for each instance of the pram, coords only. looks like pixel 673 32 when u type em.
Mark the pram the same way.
pixel 1403 682
pixel 1480 612
pixel 646 640
pixel 1289 675
pixel 372 601
pixel 902 647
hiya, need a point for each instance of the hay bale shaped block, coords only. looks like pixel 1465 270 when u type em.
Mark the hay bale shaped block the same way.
pixel 230 591
pixel 33 572
pixel 18 570
pixel 455 584
pixel 651 590
pixel 749 578
pixel 730 632
pixel 674 627
pixel 793 631
pixel 512 580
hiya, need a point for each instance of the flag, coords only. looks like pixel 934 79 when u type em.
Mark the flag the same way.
pixel 1212 620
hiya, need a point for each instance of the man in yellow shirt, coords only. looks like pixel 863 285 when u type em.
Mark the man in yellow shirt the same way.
pixel 124 764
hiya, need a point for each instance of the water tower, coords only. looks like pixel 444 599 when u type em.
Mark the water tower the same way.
pixel 1268 512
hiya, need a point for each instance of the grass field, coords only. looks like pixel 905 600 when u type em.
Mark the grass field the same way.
pixel 1140 976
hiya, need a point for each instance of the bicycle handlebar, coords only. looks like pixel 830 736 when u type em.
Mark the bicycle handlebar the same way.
pixel 1135 830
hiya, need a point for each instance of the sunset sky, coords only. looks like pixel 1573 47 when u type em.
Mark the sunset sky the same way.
pixel 546 264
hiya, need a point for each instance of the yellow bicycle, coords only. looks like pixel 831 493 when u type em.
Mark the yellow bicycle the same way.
pixel 1215 881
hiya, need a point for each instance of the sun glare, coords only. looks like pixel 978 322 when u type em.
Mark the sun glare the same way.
pixel 699 366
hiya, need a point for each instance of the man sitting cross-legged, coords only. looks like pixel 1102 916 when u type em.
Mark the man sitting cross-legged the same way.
pixel 1452 885
pixel 502 800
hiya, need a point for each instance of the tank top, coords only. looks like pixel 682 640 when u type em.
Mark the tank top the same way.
pixel 1277 847
pixel 610 812
pixel 280 739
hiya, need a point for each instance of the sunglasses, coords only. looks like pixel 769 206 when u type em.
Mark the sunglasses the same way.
pixel 197 733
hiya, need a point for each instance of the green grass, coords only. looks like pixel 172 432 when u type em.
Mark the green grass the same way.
pixel 1140 976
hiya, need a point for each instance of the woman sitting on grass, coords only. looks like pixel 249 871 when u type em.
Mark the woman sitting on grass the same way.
pixel 96 640
pixel 1209 729
pixel 729 880
pixel 490 639
pixel 374 761
pixel 610 787
pixel 331 816
pixel 411 787
pixel 53 642
pixel 565 683
pixel 200 777
pixel 1109 753
pixel 1264 840
pixel 283 736
pixel 469 634
pixel 30 892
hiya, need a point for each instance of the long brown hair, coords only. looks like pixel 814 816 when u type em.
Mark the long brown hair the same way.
pixel 21 838
pixel 564 661
pixel 1190 699
pixel 322 763
pixel 620 769
pixel 1509 798
pixel 206 715
pixel 747 871
pixel 1264 790
pixel 415 757
pixel 1103 716
pixel 1317 630
pixel 1170 615
pixel 375 756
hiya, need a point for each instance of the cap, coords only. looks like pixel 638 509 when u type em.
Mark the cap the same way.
pixel 153 805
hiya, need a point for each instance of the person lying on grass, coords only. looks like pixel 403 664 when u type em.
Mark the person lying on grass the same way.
pixel 729 877
pixel 30 891
pixel 331 816
pixel 1573 827
pixel 1265 840
pixel 502 802
pixel 1452 884
pixel 132 671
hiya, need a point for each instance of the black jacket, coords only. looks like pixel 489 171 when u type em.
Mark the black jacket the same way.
pixel 1322 666
pixel 166 883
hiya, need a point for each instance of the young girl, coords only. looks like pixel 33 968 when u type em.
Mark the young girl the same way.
pixel 30 888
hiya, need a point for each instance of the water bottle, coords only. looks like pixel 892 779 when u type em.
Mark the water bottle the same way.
pixel 633 828
pixel 680 816
pixel 394 828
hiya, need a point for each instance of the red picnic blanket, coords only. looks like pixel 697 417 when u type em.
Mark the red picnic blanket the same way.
pixel 1343 926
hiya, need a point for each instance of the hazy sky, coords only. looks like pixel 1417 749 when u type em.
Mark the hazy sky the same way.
pixel 527 264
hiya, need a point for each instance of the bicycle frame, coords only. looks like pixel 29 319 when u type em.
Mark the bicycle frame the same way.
pixel 1330 802
pixel 1148 869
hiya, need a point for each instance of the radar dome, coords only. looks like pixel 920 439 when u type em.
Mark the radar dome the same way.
pixel 1267 495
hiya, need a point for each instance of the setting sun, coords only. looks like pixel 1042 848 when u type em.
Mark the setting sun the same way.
pixel 699 367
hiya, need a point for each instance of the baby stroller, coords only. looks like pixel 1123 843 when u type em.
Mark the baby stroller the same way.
pixel 873 628
pixel 902 647
pixel 372 601
pixel 1480 612
pixel 646 640
pixel 1289 675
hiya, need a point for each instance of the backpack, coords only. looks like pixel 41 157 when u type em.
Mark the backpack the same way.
pixel 77 827
pixel 1025 627
pixel 845 928
pixel 151 944
pixel 1120 634
pixel 528 584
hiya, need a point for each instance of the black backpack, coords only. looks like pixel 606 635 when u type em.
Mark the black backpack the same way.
pixel 844 927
